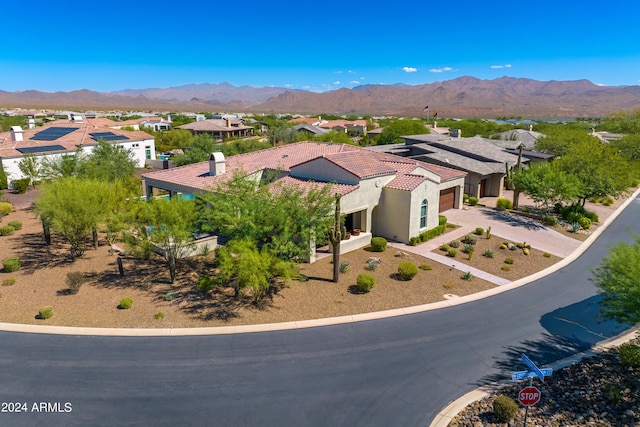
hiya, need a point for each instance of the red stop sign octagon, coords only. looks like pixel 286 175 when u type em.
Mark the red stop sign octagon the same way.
pixel 529 396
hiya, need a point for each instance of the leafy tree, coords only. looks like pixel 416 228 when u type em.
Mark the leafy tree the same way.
pixel 7 121
pixel 30 168
pixel 617 280
pixel 599 167
pixel 546 184
pixel 171 139
pixel 108 162
pixel 180 119
pixel 4 179
pixel 334 136
pixel 284 219
pixel 628 147
pixel 622 122
pixel 284 134
pixel 74 207
pixel 169 225
pixel 242 265
pixel 392 132
pixel 66 165
pixel 202 146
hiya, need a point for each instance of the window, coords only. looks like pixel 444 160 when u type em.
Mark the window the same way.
pixel 423 214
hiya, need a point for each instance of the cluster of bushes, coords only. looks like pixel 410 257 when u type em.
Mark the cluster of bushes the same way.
pixel 577 215
pixel 21 185
pixel 427 235
pixel 606 201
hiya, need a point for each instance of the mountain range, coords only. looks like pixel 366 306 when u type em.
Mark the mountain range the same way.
pixel 460 97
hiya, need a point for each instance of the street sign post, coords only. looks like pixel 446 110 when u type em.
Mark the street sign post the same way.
pixel 521 375
pixel 532 366
pixel 529 396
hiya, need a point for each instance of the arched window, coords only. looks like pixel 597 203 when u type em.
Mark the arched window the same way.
pixel 423 214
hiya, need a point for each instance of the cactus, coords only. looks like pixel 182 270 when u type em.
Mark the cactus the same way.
pixel 335 236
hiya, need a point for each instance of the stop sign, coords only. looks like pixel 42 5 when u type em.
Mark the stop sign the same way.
pixel 529 396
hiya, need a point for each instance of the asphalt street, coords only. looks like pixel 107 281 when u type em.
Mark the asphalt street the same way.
pixel 390 372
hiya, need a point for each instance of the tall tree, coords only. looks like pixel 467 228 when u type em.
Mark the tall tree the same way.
pixel 392 132
pixel 75 207
pixel 30 168
pixel 61 166
pixel 617 280
pixel 547 185
pixel 169 225
pixel 201 148
pixel 108 162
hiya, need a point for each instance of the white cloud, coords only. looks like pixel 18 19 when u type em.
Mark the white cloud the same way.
pixel 440 70
pixel 351 72
pixel 337 82
pixel 338 72
pixel 501 66
pixel 354 82
pixel 409 69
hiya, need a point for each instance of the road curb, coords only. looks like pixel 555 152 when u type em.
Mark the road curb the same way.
pixel 444 417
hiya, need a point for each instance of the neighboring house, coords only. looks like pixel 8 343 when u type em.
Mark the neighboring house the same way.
pixel 220 129
pixel 155 123
pixel 382 194
pixel 512 139
pixel 64 137
pixel 310 129
pixel 605 136
pixel 483 161
pixel 352 127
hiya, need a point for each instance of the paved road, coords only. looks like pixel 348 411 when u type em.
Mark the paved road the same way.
pixel 390 372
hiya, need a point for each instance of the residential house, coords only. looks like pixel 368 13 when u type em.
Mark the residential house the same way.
pixel 382 194
pixel 484 162
pixel 220 129
pixel 64 137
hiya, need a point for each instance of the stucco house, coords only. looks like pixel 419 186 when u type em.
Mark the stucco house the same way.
pixel 219 129
pixel 482 160
pixel 382 194
pixel 64 137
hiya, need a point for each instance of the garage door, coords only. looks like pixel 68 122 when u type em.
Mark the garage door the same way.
pixel 447 199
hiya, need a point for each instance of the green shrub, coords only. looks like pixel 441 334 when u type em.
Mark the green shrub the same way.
pixel 505 408
pixel 158 315
pixel 506 267
pixel 442 220
pixel 372 265
pixel 465 197
pixel 503 203
pixel 414 241
pixel 467 276
pixel 470 239
pixel 425 267
pixel 378 244
pixel 430 234
pixel 509 261
pixel 467 248
pixel 488 253
pixel 407 270
pixel 445 247
pixel 126 303
pixel 45 312
pixel 546 255
pixel 11 264
pixel 452 253
pixel 169 296
pixel 592 216
pixel 454 244
pixel 629 355
pixel 344 266
pixel 4 181
pixel 15 224
pixel 574 227
pixel 479 231
pixel 549 220
pixel 74 280
pixel 284 269
pixel 584 222
pixel 21 185
pixel 5 208
pixel 9 282
pixel 473 201
pixel 571 213
pixel 365 282
pixel 6 230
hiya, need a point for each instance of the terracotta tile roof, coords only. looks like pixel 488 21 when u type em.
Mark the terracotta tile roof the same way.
pixel 213 125
pixel 406 182
pixel 358 161
pixel 307 185
pixel 79 135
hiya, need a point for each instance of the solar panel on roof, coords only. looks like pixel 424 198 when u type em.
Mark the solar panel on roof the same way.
pixel 40 149
pixel 52 133
pixel 107 136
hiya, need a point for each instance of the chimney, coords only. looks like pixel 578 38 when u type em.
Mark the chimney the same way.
pixel 32 124
pixel 435 124
pixel 530 128
pixel 16 133
pixel 217 164
pixel 228 122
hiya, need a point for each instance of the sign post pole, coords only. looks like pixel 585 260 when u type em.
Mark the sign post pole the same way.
pixel 526 410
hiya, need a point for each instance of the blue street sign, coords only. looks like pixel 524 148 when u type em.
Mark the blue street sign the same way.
pixel 530 374
pixel 532 366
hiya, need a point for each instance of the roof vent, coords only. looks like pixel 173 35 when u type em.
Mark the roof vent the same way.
pixel 217 164
pixel 16 133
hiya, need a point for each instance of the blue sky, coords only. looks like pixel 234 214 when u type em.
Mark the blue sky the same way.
pixel 319 46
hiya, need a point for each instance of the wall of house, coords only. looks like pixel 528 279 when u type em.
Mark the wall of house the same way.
pixel 392 219
pixel 430 192
pixel 364 199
